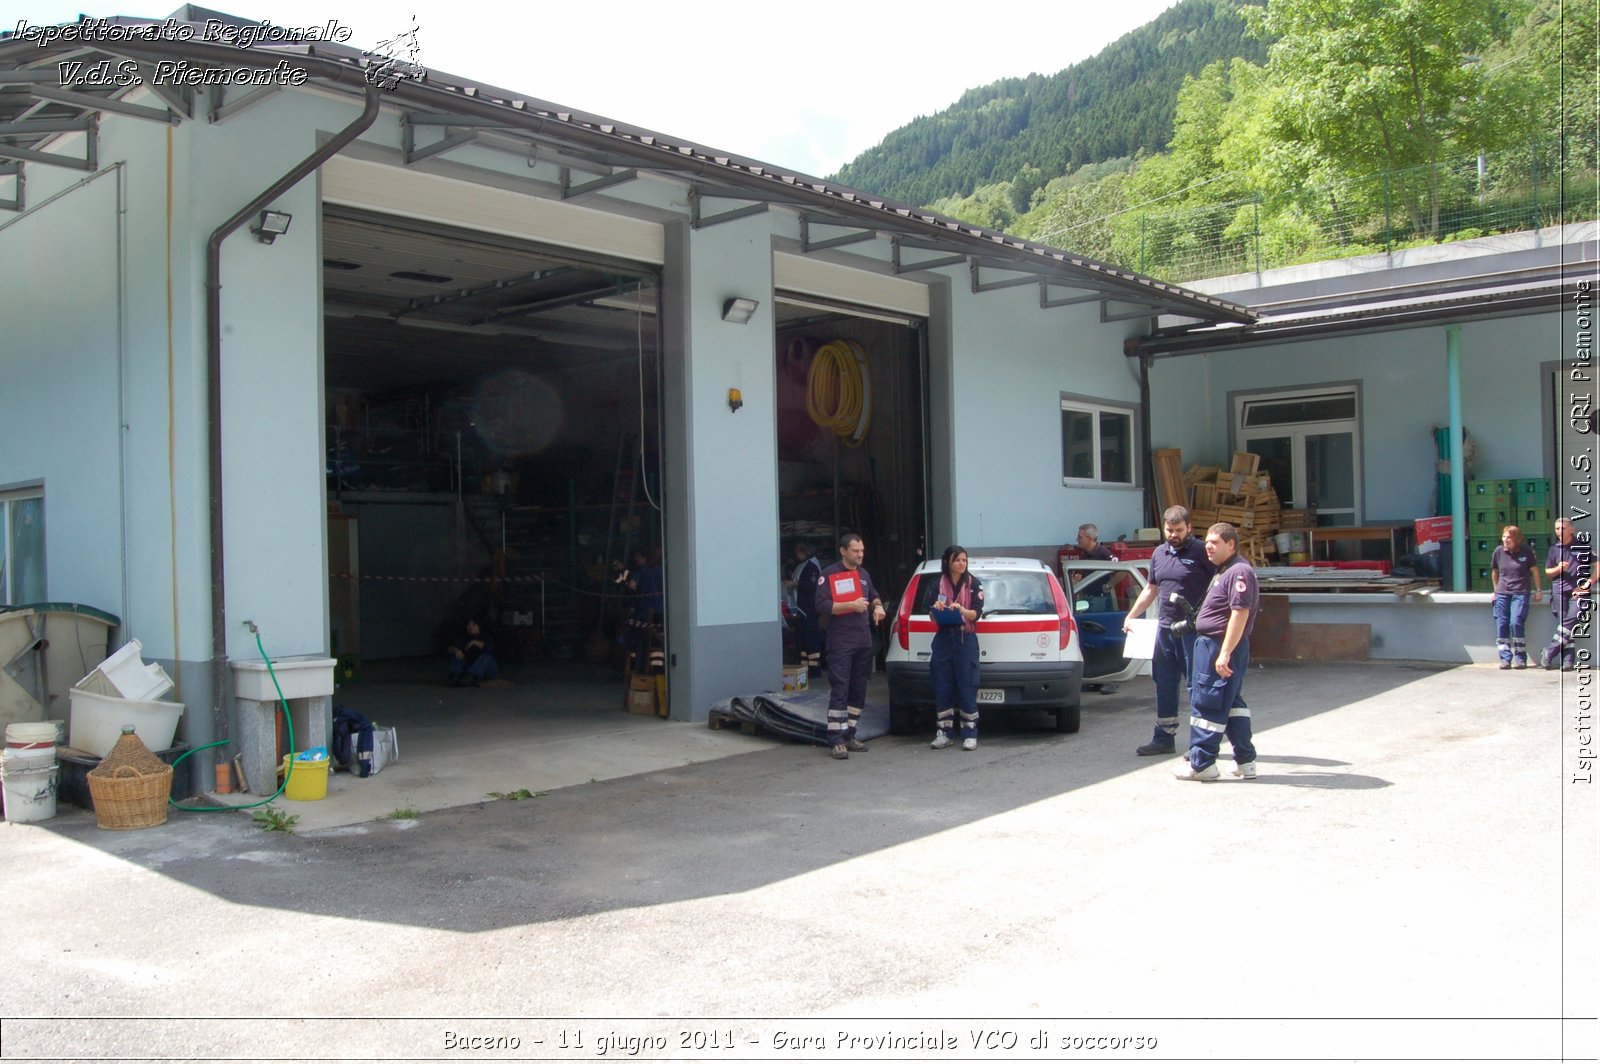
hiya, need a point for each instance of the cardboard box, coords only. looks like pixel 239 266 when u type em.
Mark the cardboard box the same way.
pixel 796 678
pixel 641 701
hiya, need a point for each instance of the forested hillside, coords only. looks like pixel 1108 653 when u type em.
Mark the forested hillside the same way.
pixel 1334 129
pixel 1115 104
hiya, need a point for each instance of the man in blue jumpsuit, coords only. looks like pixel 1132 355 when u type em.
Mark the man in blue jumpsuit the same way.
pixel 1221 658
pixel 806 571
pixel 1568 564
pixel 1179 566
pixel 847 596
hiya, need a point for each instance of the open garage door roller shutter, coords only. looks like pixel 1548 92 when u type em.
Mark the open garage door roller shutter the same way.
pixel 430 197
pixel 841 284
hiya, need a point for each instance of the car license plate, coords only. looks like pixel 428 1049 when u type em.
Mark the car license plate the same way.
pixel 991 694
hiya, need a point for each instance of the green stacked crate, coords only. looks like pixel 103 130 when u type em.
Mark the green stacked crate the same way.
pixel 1489 494
pixel 1531 492
pixel 1478 578
pixel 1484 523
pixel 1531 518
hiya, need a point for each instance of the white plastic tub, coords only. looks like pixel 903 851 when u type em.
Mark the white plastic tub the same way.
pixel 98 720
pixel 126 674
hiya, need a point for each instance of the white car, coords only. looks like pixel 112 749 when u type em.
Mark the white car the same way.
pixel 1037 648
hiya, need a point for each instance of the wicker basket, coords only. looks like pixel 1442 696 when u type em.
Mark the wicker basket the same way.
pixel 126 798
pixel 130 787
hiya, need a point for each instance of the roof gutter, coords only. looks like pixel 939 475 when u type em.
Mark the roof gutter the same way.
pixel 652 152
pixel 219 613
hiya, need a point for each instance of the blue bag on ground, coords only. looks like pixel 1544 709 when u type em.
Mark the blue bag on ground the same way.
pixel 352 741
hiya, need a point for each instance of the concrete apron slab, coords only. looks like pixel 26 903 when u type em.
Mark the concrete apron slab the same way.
pixel 544 727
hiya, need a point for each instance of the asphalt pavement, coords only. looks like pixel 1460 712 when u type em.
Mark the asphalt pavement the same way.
pixel 1413 872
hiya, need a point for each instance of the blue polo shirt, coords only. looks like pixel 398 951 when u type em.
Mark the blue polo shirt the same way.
pixel 1185 570
pixel 1515 568
pixel 1578 556
pixel 1233 588
pixel 847 630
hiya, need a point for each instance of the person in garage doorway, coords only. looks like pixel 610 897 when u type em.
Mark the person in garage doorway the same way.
pixel 849 599
pixel 954 661
pixel 1177 567
pixel 1221 658
pixel 807 570
pixel 472 659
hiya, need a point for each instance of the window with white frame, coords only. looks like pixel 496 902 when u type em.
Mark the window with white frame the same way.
pixel 1097 442
pixel 21 546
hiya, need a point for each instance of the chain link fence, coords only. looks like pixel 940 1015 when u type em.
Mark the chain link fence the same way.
pixel 1457 199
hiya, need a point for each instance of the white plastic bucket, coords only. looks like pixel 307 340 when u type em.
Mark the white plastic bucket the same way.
pixel 32 735
pixel 1284 542
pixel 30 782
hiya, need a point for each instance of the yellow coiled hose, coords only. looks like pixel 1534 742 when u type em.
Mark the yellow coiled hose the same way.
pixel 839 391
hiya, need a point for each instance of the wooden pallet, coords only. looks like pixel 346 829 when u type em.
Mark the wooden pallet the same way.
pixel 720 719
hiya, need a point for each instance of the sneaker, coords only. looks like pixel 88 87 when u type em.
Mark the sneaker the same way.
pixel 1505 664
pixel 1547 658
pixel 1521 663
pixel 1187 771
pixel 969 744
pixel 940 741
pixel 839 753
pixel 1246 771
pixel 856 746
pixel 1155 749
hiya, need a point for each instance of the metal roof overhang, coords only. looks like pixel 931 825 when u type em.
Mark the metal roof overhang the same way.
pixel 1404 307
pixel 34 109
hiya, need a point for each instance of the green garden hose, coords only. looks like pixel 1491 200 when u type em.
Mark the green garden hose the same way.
pixel 283 707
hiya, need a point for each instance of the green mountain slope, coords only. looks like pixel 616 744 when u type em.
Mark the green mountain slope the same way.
pixel 1117 103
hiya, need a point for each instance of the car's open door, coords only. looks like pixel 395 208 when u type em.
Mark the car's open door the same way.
pixel 1101 593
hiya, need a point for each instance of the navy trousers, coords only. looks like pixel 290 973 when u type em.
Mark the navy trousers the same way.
pixel 849 669
pixel 1215 706
pixel 1170 670
pixel 954 669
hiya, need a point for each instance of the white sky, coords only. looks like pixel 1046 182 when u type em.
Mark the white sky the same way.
pixel 803 86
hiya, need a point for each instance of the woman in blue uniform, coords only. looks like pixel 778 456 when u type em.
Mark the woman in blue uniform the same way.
pixel 954 662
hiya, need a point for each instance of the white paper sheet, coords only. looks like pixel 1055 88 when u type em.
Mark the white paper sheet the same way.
pixel 1141 641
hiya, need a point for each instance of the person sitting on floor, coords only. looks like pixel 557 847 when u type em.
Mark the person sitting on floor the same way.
pixel 473 661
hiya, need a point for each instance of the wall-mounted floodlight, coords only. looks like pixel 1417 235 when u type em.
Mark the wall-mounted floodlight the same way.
pixel 271 225
pixel 739 310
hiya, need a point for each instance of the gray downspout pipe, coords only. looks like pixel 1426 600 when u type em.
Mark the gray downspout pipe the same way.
pixel 219 611
pixel 1152 502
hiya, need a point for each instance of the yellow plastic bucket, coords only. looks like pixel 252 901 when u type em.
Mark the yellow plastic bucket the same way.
pixel 309 783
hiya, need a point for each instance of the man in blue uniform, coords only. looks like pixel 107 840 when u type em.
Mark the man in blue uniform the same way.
pixel 804 581
pixel 847 596
pixel 1177 567
pixel 1568 564
pixel 1221 657
pixel 1089 543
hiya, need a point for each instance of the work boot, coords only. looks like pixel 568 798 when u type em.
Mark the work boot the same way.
pixel 1157 749
pixel 839 752
pixel 856 746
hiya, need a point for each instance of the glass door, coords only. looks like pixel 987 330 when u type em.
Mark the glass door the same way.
pixel 1308 441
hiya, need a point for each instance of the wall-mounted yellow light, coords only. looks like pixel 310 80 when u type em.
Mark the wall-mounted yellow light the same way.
pixel 735 399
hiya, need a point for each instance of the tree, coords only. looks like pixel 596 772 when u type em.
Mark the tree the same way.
pixel 1387 84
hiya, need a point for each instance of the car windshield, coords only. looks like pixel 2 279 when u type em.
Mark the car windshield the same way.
pixel 1004 591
